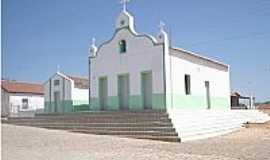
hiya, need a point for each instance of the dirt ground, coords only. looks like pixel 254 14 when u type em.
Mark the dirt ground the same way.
pixel 27 143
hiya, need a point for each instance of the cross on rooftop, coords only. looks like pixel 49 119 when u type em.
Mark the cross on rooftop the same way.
pixel 93 41
pixel 161 26
pixel 124 2
pixel 58 68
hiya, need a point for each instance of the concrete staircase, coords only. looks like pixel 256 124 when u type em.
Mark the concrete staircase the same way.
pixel 141 125
pixel 199 124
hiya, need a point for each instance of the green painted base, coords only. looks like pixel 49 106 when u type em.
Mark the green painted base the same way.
pixel 66 106
pixel 135 103
pixel 198 102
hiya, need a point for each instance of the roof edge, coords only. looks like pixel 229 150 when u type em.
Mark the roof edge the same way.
pixel 200 56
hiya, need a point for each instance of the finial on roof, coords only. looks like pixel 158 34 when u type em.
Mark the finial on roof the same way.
pixel 124 2
pixel 161 26
pixel 93 48
pixel 58 68
pixel 93 41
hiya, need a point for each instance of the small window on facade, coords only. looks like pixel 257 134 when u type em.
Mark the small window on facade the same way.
pixel 25 103
pixel 56 82
pixel 187 84
pixel 122 22
pixel 122 46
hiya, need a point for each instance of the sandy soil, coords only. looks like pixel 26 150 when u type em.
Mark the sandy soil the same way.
pixel 26 143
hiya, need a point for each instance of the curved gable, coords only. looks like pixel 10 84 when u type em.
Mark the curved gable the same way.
pixel 122 33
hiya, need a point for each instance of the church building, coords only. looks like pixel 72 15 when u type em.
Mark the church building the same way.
pixel 140 86
pixel 133 71
pixel 64 93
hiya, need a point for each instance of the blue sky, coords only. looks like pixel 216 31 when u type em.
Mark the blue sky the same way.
pixel 39 34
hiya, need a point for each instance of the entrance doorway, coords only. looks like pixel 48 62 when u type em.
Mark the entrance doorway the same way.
pixel 103 93
pixel 56 101
pixel 123 91
pixel 208 99
pixel 146 81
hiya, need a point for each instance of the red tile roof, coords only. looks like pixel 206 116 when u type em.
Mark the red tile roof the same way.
pixel 235 94
pixel 21 87
pixel 264 106
pixel 80 82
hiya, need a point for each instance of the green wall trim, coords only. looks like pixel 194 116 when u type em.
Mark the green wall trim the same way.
pixel 80 102
pixel 94 104
pixel 135 102
pixel 199 102
pixel 112 103
pixel 65 106
pixel 82 107
pixel 158 102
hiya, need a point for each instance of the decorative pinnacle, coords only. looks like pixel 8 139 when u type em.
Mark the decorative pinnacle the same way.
pixel 58 68
pixel 93 41
pixel 161 26
pixel 124 2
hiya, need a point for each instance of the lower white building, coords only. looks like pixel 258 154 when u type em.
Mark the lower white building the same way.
pixel 64 93
pixel 20 98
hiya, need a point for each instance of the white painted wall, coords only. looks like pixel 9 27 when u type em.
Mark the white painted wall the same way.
pixel 35 102
pixel 199 71
pixel 200 124
pixel 65 88
pixel 80 95
pixel 4 103
pixel 142 55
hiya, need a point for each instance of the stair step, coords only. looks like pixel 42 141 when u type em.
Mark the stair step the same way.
pixel 159 138
pixel 107 113
pixel 207 134
pixel 93 121
pixel 145 124
pixel 101 116
pixel 161 129
pixel 142 125
pixel 109 132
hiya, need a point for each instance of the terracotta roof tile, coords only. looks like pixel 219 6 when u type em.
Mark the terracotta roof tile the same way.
pixel 80 82
pixel 264 106
pixel 21 87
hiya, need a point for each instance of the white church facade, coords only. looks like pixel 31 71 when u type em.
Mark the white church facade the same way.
pixel 133 71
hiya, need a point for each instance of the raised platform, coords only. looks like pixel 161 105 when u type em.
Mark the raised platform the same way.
pixel 200 124
pixel 154 125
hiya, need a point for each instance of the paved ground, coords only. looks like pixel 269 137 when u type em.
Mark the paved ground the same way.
pixel 26 143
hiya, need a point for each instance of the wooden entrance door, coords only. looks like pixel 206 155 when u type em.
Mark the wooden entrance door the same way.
pixel 103 93
pixel 123 91
pixel 208 99
pixel 56 101
pixel 146 82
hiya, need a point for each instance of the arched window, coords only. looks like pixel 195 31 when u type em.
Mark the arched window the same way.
pixel 122 46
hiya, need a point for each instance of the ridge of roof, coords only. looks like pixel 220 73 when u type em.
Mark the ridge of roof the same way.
pixel 79 81
pixel 75 76
pixel 21 87
pixel 200 56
